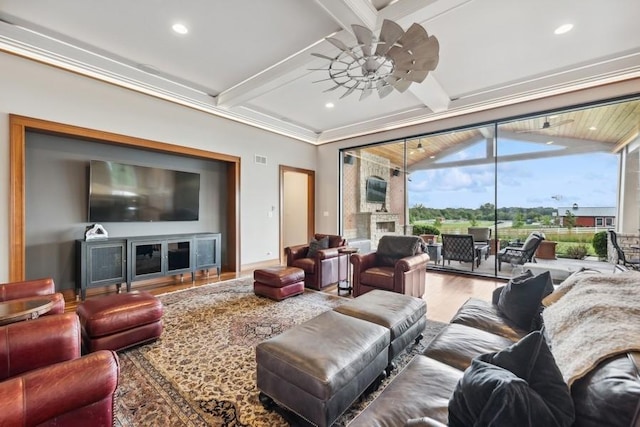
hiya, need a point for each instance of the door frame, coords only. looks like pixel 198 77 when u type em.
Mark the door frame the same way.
pixel 311 204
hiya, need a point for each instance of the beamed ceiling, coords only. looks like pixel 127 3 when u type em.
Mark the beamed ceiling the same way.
pixel 251 60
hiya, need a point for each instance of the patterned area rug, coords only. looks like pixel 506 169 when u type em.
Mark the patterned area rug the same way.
pixel 201 372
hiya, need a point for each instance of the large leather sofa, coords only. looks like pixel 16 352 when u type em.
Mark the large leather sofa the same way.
pixel 419 395
pixel 45 382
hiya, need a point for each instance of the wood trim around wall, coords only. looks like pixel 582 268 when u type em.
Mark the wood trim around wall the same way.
pixel 19 125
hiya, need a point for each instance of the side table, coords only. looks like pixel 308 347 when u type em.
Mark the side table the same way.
pixel 435 252
pixel 348 251
pixel 15 311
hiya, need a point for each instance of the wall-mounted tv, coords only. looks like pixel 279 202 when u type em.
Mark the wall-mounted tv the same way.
pixel 129 193
pixel 376 188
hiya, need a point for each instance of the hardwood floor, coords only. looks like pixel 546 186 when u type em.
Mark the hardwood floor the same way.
pixel 445 292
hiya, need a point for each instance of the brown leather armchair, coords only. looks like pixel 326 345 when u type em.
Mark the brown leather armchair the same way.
pixel 326 268
pixel 398 265
pixel 33 289
pixel 45 382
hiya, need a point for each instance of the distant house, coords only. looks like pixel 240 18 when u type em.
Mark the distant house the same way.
pixel 589 216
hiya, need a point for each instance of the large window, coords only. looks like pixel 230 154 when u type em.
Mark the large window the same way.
pixel 566 175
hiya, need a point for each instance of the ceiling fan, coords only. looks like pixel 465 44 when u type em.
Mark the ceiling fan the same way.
pixel 391 61
pixel 547 125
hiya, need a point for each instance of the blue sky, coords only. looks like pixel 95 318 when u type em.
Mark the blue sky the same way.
pixel 587 179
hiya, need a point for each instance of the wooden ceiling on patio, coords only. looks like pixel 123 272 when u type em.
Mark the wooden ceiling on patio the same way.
pixel 614 124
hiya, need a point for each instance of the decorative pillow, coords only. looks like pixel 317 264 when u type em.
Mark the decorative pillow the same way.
pixel 316 245
pixel 518 386
pixel 392 248
pixel 334 241
pixel 520 300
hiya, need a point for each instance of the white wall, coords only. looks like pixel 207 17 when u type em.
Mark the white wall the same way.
pixel 34 90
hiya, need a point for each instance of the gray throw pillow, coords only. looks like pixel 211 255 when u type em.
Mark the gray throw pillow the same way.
pixel 521 299
pixel 518 386
pixel 316 245
pixel 392 248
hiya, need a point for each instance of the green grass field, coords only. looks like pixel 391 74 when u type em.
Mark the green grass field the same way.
pixel 563 236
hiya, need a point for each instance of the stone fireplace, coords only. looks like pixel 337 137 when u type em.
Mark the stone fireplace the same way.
pixel 370 221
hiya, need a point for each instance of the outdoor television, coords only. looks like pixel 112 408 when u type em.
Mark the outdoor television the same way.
pixel 376 188
pixel 128 193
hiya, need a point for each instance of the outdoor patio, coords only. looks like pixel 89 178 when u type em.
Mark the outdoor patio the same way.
pixel 560 268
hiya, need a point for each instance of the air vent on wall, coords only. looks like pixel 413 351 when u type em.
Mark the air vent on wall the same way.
pixel 261 160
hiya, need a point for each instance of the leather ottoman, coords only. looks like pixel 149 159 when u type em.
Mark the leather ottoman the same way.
pixel 119 321
pixel 279 282
pixel 405 316
pixel 319 368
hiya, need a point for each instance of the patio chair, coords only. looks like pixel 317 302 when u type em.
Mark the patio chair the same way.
pixel 522 254
pixel 623 258
pixel 480 234
pixel 459 247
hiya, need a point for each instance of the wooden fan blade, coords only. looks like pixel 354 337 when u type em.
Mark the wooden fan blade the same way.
pixel 417 76
pixel 428 49
pixel 428 64
pixel 398 55
pixel 414 37
pixel 364 37
pixel 340 45
pixel 390 33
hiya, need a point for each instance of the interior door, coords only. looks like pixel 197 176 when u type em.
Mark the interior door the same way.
pixel 297 205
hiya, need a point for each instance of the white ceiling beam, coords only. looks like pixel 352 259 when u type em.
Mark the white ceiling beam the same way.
pixel 285 71
pixel 405 13
pixel 348 12
pixel 502 159
pixel 344 12
pixel 431 94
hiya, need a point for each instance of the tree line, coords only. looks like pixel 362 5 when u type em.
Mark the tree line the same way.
pixel 486 212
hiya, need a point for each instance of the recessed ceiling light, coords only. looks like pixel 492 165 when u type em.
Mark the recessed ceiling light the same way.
pixel 549 142
pixel 180 28
pixel 329 105
pixel 593 128
pixel 565 28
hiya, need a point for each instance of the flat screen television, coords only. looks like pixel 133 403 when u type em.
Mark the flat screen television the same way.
pixel 129 193
pixel 376 188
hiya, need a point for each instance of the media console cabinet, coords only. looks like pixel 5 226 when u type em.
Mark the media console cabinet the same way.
pixel 127 259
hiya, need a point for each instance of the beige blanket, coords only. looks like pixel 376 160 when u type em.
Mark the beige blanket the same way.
pixel 596 317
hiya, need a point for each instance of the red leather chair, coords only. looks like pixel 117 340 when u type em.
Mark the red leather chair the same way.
pixel 45 382
pixel 33 289
pixel 325 268
pixel 398 265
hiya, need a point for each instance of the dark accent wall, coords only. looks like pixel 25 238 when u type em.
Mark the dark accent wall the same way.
pixel 57 199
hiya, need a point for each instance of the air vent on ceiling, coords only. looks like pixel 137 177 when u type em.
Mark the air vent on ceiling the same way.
pixel 261 160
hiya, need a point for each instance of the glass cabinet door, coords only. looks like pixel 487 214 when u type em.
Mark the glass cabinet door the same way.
pixel 178 255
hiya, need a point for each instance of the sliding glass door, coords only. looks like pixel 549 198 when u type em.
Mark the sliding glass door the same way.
pixel 565 175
